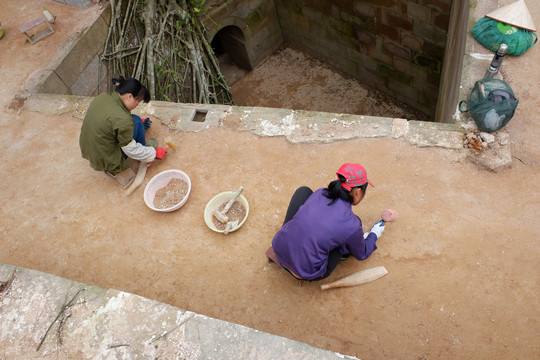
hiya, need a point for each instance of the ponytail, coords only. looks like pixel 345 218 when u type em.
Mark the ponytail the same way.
pixel 336 191
pixel 131 86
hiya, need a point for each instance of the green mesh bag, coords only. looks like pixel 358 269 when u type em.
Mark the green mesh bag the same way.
pixel 492 33
pixel 492 104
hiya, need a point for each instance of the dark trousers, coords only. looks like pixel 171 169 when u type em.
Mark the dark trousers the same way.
pixel 139 132
pixel 298 199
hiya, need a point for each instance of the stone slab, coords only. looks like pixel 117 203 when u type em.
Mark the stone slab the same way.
pixel 83 52
pixel 44 316
pixel 423 134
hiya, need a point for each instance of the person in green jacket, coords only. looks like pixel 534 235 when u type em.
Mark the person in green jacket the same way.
pixel 110 134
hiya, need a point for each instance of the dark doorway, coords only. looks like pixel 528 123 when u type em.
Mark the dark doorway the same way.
pixel 230 48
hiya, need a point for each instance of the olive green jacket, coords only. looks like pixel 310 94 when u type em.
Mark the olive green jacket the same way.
pixel 106 128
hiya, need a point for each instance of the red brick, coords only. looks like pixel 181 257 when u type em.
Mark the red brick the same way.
pixel 364 9
pixel 395 20
pixel 365 37
pixel 433 51
pixel 397 50
pixel 322 6
pixel 441 21
pixel 343 4
pixel 391 4
pixel 443 5
pixel 412 42
pixel 386 31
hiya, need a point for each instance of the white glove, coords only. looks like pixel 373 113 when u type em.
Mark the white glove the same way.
pixel 378 229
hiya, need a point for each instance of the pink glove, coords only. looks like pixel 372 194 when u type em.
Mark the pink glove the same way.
pixel 160 153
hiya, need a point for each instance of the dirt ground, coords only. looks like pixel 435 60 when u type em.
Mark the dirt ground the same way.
pixel 291 79
pixel 463 265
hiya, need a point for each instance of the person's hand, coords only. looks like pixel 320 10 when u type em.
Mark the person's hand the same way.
pixel 147 123
pixel 160 153
pixel 378 228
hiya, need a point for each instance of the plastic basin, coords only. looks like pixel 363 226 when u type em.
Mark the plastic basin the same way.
pixel 161 180
pixel 215 203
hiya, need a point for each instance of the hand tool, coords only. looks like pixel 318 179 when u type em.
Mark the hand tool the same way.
pixel 357 278
pixel 222 215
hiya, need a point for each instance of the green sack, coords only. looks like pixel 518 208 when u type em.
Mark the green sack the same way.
pixel 492 104
pixel 492 33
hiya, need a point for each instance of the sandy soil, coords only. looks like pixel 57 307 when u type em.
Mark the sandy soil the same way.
pixel 291 79
pixel 463 267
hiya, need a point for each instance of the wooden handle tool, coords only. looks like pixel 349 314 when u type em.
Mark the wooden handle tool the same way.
pixel 139 178
pixel 222 215
pixel 357 278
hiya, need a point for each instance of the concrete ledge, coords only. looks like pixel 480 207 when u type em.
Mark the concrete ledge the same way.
pixel 422 133
pixel 76 320
pixel 327 127
pixel 296 126
pixel 82 4
pixel 52 83
pixel 67 70
pixel 84 51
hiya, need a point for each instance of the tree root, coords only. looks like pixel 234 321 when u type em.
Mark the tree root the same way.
pixel 164 44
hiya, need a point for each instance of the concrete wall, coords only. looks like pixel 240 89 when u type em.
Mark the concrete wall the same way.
pixel 396 46
pixel 79 72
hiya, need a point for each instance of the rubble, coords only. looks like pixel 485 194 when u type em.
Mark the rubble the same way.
pixel 475 142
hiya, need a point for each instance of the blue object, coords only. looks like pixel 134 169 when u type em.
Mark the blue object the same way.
pixel 139 133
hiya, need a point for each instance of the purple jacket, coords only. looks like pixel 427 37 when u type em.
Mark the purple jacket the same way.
pixel 304 243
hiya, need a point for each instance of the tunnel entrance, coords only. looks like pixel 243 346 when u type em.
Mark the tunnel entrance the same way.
pixel 230 49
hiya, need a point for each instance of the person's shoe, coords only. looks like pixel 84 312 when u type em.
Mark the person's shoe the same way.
pixel 124 178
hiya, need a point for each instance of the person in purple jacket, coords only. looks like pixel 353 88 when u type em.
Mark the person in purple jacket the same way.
pixel 320 228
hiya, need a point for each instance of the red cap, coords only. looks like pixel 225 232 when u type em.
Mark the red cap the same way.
pixel 355 175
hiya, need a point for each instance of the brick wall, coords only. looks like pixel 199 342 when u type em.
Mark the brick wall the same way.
pixel 397 46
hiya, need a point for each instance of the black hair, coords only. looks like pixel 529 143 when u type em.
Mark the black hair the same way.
pixel 336 191
pixel 131 86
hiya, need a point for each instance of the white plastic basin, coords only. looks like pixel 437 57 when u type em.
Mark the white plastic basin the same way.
pixel 161 180
pixel 215 203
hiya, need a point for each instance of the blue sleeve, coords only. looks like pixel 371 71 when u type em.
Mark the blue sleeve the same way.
pixel 359 247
